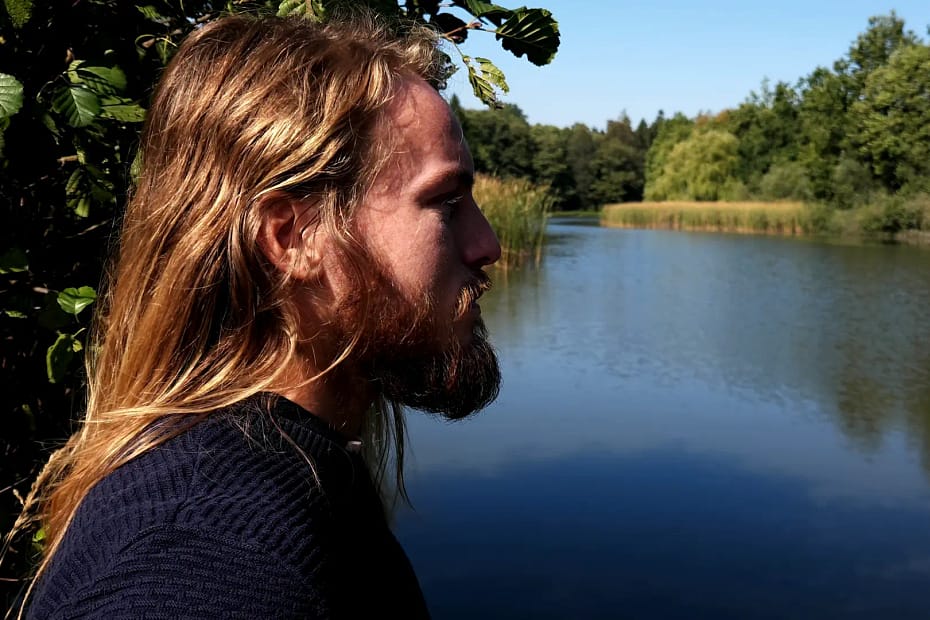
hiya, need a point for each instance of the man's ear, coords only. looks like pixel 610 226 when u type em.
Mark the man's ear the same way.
pixel 287 235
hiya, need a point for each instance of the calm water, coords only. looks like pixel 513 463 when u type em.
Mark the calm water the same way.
pixel 691 425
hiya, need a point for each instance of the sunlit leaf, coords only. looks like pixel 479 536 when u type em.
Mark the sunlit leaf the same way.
pixel 532 32
pixel 73 300
pixel 123 110
pixel 288 8
pixel 19 11
pixel 101 80
pixel 486 80
pixel 78 104
pixel 313 9
pixel 11 95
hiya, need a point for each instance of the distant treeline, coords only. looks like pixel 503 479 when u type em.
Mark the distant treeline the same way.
pixel 852 136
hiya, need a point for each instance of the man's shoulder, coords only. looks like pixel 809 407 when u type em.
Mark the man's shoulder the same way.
pixel 271 482
pixel 251 485
pixel 224 470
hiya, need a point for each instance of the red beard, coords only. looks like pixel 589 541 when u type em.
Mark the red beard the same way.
pixel 411 353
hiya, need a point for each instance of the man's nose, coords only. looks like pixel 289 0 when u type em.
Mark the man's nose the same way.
pixel 481 245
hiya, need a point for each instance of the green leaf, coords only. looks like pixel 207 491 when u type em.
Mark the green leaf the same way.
pixel 122 110
pixel 101 80
pixel 151 13
pixel 11 95
pixel 288 8
pixel 76 192
pixel 49 124
pixel 15 314
pixel 78 104
pixel 73 300
pixel 311 9
pixel 39 536
pixel 135 168
pixel 532 32
pixel 51 316
pixel 486 80
pixel 81 206
pixel 101 188
pixel 13 261
pixel 19 11
pixel 485 10
pixel 59 356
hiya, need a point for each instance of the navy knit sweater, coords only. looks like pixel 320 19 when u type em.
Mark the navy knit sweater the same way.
pixel 227 521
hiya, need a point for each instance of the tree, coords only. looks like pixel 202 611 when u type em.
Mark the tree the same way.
pixel 500 141
pixel 669 133
pixel 766 126
pixel 581 145
pixel 703 167
pixel 891 120
pixel 824 127
pixel 618 165
pixel 551 165
pixel 874 47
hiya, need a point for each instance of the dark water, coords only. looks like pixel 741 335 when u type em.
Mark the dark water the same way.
pixel 691 426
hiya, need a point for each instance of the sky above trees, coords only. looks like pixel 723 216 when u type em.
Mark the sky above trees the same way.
pixel 678 56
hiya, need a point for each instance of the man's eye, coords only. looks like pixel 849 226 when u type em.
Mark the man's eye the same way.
pixel 452 201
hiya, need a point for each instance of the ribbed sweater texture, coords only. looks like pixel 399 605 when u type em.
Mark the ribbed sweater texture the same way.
pixel 227 520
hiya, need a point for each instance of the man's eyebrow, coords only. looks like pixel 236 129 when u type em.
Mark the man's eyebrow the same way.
pixel 446 177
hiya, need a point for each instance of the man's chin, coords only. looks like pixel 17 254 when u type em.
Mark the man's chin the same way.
pixel 455 384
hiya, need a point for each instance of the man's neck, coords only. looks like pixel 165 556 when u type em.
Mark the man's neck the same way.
pixel 341 400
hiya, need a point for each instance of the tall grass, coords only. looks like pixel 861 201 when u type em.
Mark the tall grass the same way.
pixel 517 211
pixel 783 218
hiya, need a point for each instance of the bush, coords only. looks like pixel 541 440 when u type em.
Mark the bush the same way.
pixel 786 181
pixel 852 183
pixel 892 214
pixel 818 219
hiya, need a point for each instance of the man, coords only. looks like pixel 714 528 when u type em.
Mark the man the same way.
pixel 301 257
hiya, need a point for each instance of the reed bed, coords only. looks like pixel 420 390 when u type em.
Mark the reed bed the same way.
pixel 779 218
pixel 517 210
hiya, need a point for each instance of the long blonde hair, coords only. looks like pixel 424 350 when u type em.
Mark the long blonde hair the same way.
pixel 193 318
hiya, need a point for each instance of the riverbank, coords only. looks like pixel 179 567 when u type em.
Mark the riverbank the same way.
pixel 780 218
pixel 893 220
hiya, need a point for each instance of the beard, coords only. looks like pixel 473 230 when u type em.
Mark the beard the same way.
pixel 410 351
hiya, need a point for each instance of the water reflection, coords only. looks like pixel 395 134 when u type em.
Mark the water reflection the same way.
pixel 661 535
pixel 769 397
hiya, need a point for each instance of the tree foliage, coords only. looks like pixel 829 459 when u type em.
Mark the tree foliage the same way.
pixel 891 120
pixel 702 167
pixel 845 137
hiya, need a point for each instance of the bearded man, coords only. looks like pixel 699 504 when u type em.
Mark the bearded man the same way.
pixel 300 258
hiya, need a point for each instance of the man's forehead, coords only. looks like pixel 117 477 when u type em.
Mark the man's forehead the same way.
pixel 424 140
pixel 418 111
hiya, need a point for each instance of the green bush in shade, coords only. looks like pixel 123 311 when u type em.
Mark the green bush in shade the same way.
pixel 517 210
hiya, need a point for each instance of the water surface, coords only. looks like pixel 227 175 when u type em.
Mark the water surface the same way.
pixel 691 425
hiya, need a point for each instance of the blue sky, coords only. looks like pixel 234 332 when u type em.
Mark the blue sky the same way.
pixel 676 55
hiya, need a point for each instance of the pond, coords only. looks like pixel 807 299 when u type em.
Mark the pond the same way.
pixel 690 425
